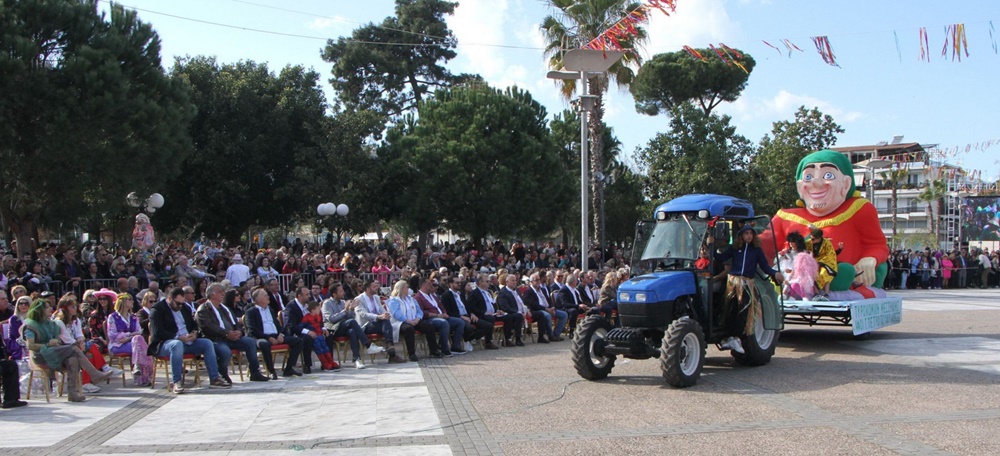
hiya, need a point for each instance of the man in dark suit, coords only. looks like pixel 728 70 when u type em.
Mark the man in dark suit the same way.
pixel 218 325
pixel 294 312
pixel 262 325
pixel 536 297
pixel 587 290
pixel 274 297
pixel 481 303
pixel 173 333
pixel 570 302
pixel 446 325
pixel 475 327
pixel 510 302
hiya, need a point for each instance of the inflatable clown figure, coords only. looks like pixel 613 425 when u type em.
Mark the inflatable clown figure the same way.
pixel 830 202
pixel 142 234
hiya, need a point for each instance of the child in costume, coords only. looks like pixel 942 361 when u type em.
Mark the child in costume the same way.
pixel 801 284
pixel 314 321
pixel 822 250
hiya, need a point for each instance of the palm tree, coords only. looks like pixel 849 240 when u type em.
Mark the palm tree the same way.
pixel 574 24
pixel 895 177
pixel 932 195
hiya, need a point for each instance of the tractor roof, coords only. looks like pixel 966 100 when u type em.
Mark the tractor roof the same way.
pixel 716 205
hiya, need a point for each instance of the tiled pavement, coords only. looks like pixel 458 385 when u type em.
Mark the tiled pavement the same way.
pixel 927 386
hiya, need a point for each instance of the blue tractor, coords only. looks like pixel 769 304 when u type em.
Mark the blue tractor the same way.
pixel 674 305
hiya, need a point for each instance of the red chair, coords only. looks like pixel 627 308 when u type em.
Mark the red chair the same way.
pixel 189 360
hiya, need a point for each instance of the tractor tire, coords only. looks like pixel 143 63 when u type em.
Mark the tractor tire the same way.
pixel 759 346
pixel 682 353
pixel 588 343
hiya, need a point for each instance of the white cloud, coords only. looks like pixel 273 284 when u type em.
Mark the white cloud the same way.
pixel 324 23
pixel 477 23
pixel 783 106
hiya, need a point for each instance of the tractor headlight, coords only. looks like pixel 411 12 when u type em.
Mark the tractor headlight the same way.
pixel 623 297
pixel 640 297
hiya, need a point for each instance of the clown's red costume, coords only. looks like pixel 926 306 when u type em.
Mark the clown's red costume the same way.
pixel 852 223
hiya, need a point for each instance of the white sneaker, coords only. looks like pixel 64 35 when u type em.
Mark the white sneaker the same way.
pixel 359 364
pixel 375 349
pixel 91 388
pixel 114 370
pixel 468 346
pixel 734 344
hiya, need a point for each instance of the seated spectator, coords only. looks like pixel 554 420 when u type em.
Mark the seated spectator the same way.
pixel 570 302
pixel 482 304
pixel 474 327
pixel 537 299
pixel 145 307
pixel 48 351
pixel 314 321
pixel 125 337
pixel 408 318
pixel 71 332
pixel 374 318
pixel 218 324
pixel 9 380
pixel 511 302
pixel 447 326
pixel 262 325
pixel 339 320
pixel 173 333
pixel 14 349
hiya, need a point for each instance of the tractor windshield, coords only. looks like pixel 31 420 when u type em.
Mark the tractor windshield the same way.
pixel 675 242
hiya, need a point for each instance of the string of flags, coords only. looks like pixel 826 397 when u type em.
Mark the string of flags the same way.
pixel 625 29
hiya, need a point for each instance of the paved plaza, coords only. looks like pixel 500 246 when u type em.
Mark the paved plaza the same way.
pixel 930 385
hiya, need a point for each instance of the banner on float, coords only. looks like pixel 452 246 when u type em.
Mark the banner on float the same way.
pixel 871 314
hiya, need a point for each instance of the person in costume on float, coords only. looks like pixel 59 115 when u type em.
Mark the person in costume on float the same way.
pixel 743 306
pixel 826 257
pixel 829 200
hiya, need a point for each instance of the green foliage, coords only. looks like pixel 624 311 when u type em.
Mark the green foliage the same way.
pixel 479 159
pixel 772 170
pixel 670 79
pixel 84 105
pixel 252 131
pixel 932 194
pixel 624 204
pixel 369 73
pixel 702 153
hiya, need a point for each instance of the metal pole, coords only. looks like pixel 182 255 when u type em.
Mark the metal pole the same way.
pixel 584 252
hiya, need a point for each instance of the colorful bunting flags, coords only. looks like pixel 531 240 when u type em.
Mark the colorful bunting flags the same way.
pixel 825 51
pixel 925 49
pixel 773 47
pixel 625 29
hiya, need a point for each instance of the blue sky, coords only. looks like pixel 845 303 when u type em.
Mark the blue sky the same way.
pixel 877 92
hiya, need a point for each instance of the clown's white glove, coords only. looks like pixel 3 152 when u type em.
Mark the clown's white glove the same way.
pixel 866 266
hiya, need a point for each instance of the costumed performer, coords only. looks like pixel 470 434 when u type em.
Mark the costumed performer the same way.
pixel 743 306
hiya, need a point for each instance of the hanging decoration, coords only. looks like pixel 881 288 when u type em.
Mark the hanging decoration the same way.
pixel 925 48
pixel 734 56
pixel 898 52
pixel 694 53
pixel 625 29
pixel 790 45
pixel 993 40
pixel 825 50
pixel 773 47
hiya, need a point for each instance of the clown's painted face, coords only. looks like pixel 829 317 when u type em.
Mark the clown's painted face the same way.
pixel 823 187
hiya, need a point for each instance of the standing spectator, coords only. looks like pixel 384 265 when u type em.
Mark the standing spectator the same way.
pixel 947 266
pixel 237 272
pixel 985 266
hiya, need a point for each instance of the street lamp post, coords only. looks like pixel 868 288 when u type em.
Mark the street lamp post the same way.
pixel 149 205
pixel 580 63
pixel 330 209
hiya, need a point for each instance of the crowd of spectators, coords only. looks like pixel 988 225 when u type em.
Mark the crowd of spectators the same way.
pixel 306 298
pixel 937 269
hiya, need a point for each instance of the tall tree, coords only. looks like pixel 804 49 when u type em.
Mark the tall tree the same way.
pixel 772 170
pixel 481 160
pixel 575 23
pixel 82 96
pixel 700 154
pixel 895 177
pixel 253 129
pixel 390 67
pixel 672 78
pixel 932 194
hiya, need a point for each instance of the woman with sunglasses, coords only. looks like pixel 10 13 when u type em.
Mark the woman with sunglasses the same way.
pixel 14 349
pixel 70 325
pixel 125 337
pixel 99 316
